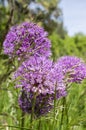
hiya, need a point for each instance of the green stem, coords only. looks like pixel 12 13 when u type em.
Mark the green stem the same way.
pixel 39 124
pixel 32 111
pixel 54 116
pixel 54 105
pixel 66 112
pixel 22 121
pixel 62 115
pixel 22 116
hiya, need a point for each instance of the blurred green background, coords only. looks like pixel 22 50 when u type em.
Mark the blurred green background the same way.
pixel 48 14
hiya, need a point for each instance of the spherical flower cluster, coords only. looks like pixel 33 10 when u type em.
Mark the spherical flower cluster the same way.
pixel 73 67
pixel 43 103
pixel 25 40
pixel 41 77
pixel 38 75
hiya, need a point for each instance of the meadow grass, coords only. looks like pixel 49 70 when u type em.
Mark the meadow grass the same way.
pixel 69 112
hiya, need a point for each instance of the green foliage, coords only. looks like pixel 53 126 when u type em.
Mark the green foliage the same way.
pixel 68 46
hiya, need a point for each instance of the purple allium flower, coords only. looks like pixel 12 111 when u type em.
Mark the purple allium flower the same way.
pixel 73 67
pixel 39 75
pixel 33 75
pixel 25 40
pixel 43 103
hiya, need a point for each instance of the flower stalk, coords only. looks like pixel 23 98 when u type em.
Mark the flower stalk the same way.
pixel 32 111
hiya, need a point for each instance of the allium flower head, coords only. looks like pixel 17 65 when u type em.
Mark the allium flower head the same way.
pixel 74 67
pixel 33 75
pixel 39 76
pixel 43 103
pixel 27 39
